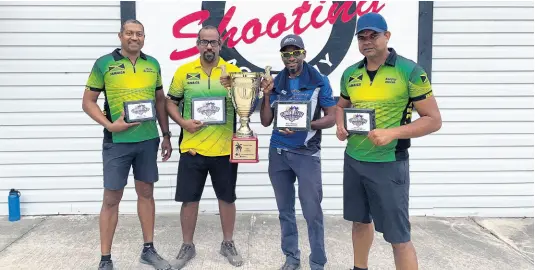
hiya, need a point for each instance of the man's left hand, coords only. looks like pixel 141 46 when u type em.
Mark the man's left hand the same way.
pixel 381 137
pixel 286 131
pixel 166 149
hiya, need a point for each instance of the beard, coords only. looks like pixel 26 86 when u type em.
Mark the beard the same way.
pixel 295 69
pixel 208 56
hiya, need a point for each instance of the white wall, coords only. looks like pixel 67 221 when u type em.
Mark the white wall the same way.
pixel 483 77
pixel 480 163
pixel 48 147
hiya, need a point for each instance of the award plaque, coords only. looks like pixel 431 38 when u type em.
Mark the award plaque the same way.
pixel 292 115
pixel 139 111
pixel 209 110
pixel 244 150
pixel 245 93
pixel 359 121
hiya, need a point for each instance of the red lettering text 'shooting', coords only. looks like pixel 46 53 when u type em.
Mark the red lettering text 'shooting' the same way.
pixel 275 26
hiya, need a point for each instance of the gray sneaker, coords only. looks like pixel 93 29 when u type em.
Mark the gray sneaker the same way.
pixel 187 252
pixel 228 249
pixel 289 266
pixel 105 265
pixel 151 257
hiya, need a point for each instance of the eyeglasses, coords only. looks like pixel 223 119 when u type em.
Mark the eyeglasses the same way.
pixel 295 53
pixel 205 42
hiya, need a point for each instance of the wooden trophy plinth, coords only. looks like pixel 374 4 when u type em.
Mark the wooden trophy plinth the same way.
pixel 244 150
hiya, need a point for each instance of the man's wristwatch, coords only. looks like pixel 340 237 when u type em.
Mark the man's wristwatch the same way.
pixel 167 133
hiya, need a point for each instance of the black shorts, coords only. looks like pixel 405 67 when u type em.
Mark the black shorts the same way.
pixel 378 191
pixel 118 158
pixel 192 173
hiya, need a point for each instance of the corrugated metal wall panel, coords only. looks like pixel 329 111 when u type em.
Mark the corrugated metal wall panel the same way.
pixel 44 45
pixel 483 64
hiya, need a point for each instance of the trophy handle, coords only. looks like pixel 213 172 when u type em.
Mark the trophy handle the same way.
pixel 267 73
pixel 223 71
pixel 267 76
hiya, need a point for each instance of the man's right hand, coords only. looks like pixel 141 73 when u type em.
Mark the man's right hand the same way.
pixel 341 133
pixel 266 85
pixel 192 125
pixel 225 78
pixel 225 81
pixel 120 125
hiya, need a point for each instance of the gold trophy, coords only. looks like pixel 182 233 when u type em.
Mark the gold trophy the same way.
pixel 245 93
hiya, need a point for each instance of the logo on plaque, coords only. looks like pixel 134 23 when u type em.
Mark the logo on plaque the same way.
pixel 140 109
pixel 208 109
pixel 358 120
pixel 237 150
pixel 292 114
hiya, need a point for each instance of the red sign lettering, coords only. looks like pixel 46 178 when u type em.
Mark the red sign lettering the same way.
pixel 275 26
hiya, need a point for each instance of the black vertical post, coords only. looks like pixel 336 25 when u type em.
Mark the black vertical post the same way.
pixel 128 10
pixel 425 36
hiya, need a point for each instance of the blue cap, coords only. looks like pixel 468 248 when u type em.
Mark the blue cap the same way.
pixel 292 40
pixel 371 21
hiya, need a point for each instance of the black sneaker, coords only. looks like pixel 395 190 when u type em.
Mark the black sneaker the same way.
pixel 187 252
pixel 289 266
pixel 105 265
pixel 228 249
pixel 151 257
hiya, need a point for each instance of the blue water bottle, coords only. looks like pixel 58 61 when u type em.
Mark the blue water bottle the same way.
pixel 14 205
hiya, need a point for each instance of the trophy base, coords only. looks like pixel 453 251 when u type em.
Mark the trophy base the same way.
pixel 244 150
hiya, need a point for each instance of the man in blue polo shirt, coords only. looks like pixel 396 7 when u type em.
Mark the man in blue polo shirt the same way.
pixel 297 154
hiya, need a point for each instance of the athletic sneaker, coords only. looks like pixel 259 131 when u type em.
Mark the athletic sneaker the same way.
pixel 151 257
pixel 187 252
pixel 289 266
pixel 228 249
pixel 105 265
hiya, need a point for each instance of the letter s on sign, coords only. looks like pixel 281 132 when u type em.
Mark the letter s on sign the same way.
pixel 200 16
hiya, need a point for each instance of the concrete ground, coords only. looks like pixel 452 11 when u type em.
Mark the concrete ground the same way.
pixel 72 242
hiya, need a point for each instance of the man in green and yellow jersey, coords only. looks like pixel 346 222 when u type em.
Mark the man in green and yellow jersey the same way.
pixel 376 165
pixel 204 147
pixel 128 75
